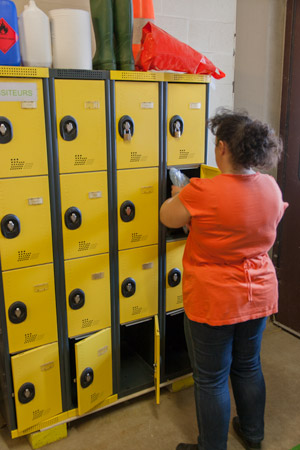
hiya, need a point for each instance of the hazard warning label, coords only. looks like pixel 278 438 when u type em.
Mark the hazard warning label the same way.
pixel 8 36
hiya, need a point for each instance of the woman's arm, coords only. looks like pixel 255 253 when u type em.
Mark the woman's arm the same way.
pixel 173 213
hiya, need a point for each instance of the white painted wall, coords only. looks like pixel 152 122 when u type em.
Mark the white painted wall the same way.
pixel 209 27
pixel 259 58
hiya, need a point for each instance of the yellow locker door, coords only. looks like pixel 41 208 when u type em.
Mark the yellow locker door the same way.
pixel 23 135
pixel 88 294
pixel 186 123
pixel 30 307
pixel 137 207
pixel 157 360
pixel 84 204
pixel 137 124
pixel 94 370
pixel 208 171
pixel 36 379
pixel 81 125
pixel 174 254
pixel 138 281
pixel 25 238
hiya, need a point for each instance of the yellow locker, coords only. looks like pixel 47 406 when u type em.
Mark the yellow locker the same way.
pixel 174 254
pixel 157 360
pixel 186 123
pixel 138 281
pixel 208 171
pixel 81 125
pixel 23 134
pixel 93 370
pixel 137 124
pixel 30 307
pixel 88 294
pixel 25 238
pixel 36 379
pixel 84 204
pixel 137 207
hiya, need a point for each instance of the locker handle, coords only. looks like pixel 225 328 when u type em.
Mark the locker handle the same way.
pixel 68 128
pixel 176 126
pixel 73 218
pixel 10 226
pixel 6 130
pixel 87 377
pixel 127 211
pixel 174 277
pixel 128 287
pixel 76 299
pixel 17 312
pixel 26 393
pixel 126 128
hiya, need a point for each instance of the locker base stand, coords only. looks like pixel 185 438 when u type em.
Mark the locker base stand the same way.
pixel 42 438
pixel 181 384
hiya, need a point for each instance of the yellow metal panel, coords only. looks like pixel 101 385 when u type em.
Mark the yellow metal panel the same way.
pixel 26 153
pixel 28 200
pixel 140 264
pixel 88 193
pixel 208 171
pixel 40 367
pixel 140 102
pixel 34 287
pixel 157 360
pixel 186 78
pixel 136 76
pixel 91 276
pixel 174 254
pixel 41 438
pixel 93 355
pixel 187 101
pixel 139 186
pixel 84 100
pixel 184 383
pixel 30 72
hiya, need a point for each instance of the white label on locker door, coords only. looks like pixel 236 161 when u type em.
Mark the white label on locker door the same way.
pixel 35 201
pixel 195 105
pixel 97 194
pixel 92 105
pixel 147 266
pixel 29 105
pixel 147 105
pixel 102 351
pixel 18 92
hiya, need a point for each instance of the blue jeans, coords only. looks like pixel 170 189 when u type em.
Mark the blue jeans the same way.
pixel 217 353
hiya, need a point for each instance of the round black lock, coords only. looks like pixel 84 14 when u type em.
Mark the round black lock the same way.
pixel 174 277
pixel 128 287
pixel 73 218
pixel 17 312
pixel 10 226
pixel 26 393
pixel 126 127
pixel 76 299
pixel 6 130
pixel 87 377
pixel 68 128
pixel 176 126
pixel 127 211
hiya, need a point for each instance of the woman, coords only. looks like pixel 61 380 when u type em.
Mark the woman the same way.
pixel 229 281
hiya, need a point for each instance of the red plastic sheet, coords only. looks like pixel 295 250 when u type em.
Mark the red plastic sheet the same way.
pixel 161 51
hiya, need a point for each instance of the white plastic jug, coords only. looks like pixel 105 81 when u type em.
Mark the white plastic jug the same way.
pixel 71 38
pixel 35 37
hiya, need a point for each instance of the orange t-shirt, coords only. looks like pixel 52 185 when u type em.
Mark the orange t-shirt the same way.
pixel 228 276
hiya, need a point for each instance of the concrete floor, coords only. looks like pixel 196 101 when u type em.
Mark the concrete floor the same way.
pixel 140 424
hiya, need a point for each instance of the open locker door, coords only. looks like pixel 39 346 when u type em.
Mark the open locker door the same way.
pixel 157 360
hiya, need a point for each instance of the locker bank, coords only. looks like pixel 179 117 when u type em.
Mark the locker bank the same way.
pixel 91 301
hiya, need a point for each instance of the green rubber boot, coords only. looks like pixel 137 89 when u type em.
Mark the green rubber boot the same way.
pixel 123 28
pixel 102 15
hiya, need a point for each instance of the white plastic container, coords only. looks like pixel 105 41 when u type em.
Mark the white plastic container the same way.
pixel 35 37
pixel 71 39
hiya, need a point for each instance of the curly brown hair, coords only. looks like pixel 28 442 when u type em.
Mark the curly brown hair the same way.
pixel 251 142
